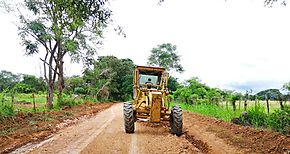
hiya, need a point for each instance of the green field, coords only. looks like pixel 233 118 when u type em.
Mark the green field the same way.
pixel 273 105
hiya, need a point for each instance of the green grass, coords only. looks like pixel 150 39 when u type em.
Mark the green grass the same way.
pixel 39 98
pixel 211 110
pixel 273 105
pixel 277 120
pixel 24 103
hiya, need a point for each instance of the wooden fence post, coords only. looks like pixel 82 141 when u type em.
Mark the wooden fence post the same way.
pixel 245 104
pixel 234 105
pixel 240 104
pixel 256 101
pixel 33 96
pixel 227 104
pixel 267 102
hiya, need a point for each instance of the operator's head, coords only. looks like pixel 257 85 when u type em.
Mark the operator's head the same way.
pixel 149 79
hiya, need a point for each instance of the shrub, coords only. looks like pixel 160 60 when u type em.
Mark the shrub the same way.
pixel 6 110
pixel 79 90
pixel 257 116
pixel 279 120
pixel 69 102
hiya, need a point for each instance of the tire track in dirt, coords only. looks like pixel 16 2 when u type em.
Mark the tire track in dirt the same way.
pixel 78 146
pixel 196 132
pixel 134 147
pixel 148 138
pixel 202 146
pixel 74 138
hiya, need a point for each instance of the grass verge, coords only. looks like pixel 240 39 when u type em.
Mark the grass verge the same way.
pixel 210 110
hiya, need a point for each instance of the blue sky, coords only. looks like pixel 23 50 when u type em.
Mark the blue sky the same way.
pixel 234 45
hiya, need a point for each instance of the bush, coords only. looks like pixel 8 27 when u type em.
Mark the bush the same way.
pixel 279 120
pixel 79 90
pixel 69 102
pixel 257 116
pixel 6 110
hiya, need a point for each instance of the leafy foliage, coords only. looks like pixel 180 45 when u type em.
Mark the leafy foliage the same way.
pixel 272 94
pixel 270 3
pixel 193 91
pixel 165 55
pixel 74 84
pixel 6 110
pixel 173 84
pixel 286 86
pixel 21 83
pixel 279 120
pixel 257 116
pixel 111 78
pixel 8 80
pixel 61 27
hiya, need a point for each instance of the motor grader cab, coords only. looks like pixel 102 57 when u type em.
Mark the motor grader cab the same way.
pixel 150 100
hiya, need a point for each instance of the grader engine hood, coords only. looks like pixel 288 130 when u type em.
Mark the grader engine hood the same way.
pixel 155 101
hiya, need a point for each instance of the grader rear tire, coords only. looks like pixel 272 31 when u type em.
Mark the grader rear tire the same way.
pixel 129 117
pixel 176 121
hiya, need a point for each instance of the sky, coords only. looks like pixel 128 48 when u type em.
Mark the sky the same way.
pixel 233 44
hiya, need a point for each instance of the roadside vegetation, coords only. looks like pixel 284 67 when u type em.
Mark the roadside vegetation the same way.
pixel 108 80
pixel 267 109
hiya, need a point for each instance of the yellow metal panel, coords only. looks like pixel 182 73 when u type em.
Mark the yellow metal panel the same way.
pixel 155 112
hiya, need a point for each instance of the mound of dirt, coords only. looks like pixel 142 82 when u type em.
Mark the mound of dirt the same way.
pixel 248 139
pixel 32 127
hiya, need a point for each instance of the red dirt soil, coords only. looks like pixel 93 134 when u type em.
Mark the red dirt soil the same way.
pixel 202 134
pixel 246 139
pixel 33 127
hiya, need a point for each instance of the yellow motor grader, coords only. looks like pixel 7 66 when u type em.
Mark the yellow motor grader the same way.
pixel 150 100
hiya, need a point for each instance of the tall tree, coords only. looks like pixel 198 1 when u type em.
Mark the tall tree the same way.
pixel 62 27
pixel 165 55
pixel 111 78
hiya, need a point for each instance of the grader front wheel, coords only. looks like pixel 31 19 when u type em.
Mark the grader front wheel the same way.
pixel 129 117
pixel 176 121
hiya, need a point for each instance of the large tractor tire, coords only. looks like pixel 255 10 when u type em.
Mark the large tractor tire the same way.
pixel 129 117
pixel 176 121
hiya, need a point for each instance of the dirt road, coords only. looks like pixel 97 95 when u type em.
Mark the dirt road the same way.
pixel 104 133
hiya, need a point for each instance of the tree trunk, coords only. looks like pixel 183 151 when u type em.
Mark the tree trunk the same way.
pixel 50 80
pixel 280 97
pixel 245 105
pixel 281 104
pixel 60 80
pixel 50 94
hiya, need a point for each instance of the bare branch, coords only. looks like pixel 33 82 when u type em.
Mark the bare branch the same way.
pixel 46 63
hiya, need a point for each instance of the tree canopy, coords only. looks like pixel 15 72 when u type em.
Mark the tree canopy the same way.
pixel 165 55
pixel 111 78
pixel 272 94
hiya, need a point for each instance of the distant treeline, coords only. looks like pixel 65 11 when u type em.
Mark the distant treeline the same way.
pixel 111 78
